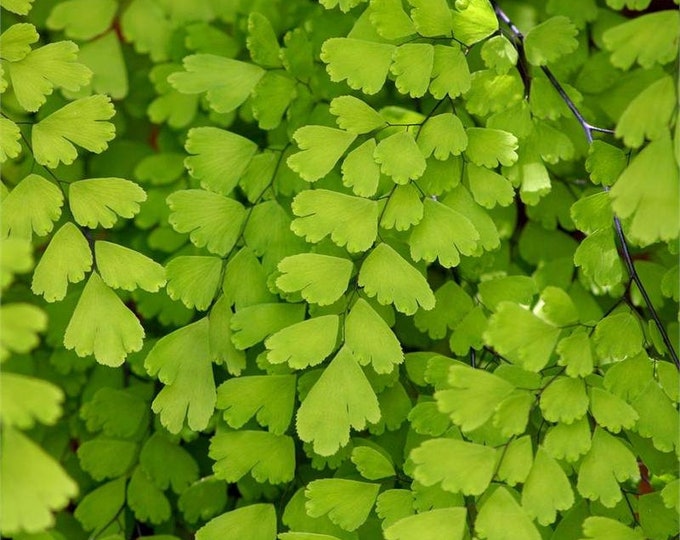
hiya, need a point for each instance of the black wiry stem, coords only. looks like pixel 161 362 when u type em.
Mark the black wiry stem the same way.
pixel 588 130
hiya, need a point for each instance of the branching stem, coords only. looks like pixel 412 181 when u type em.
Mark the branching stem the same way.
pixel 588 130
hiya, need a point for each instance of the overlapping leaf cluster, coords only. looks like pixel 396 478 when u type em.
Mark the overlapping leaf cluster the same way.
pixel 406 296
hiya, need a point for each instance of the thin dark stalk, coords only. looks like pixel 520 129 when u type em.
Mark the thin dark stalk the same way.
pixel 588 130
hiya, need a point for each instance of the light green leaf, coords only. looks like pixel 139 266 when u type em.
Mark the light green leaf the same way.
pixel 10 147
pixel 262 42
pixel 598 257
pixel 468 333
pixel 102 325
pixel 253 522
pixel 203 500
pixel 608 463
pixel 266 456
pixel 360 171
pixel 355 116
pixel 350 221
pixel 341 398
pixel 181 361
pixel 347 502
pixel 394 504
pixel 658 417
pixel 412 67
pixel 564 400
pixel 460 200
pixel 104 458
pixel 31 207
pixel 33 485
pixel 20 326
pixel 404 208
pixel 452 304
pixel 82 19
pixel 516 461
pixel 21 7
pixel 371 463
pixel 389 277
pixel 491 147
pixel 100 506
pixel 460 466
pixel 271 98
pixel 16 41
pixel 304 344
pixel 499 54
pixel 488 187
pixel 321 279
pixel 442 234
pixel 546 489
pixel 400 158
pixel 474 396
pixel 370 340
pixel 270 398
pixel 26 400
pixel 568 441
pixel 434 524
pixel 145 24
pixel 431 17
pixel 226 82
pixel 556 307
pixel 610 411
pixel 473 20
pixel 16 257
pixel 104 56
pixel 124 268
pixel 628 378
pixel 321 148
pixel 547 42
pixel 363 64
pixel 66 259
pixel 618 336
pixel 604 528
pixel 649 115
pixel 98 201
pixel 218 157
pixel 653 205
pixel 390 20
pixel 450 72
pixel 442 135
pixel 515 523
pixel 518 289
pixel 211 220
pixel 605 162
pixel 520 336
pixel 592 213
pixel 512 414
pixel 147 502
pixel 40 71
pixel 82 123
pixel 648 39
pixel 117 413
pixel 167 463
pixel 194 280
pixel 253 324
pixel 576 353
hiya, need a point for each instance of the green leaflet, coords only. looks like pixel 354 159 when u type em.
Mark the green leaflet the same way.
pixel 568 441
pixel 82 19
pixel 99 201
pixel 371 463
pixel 167 463
pixel 610 411
pixel 104 458
pixel 370 340
pixel 341 398
pixel 546 489
pixel 412 67
pixel 355 116
pixel 262 41
pixel 321 148
pixel 360 172
pixel 601 528
pixel 145 499
pixel 117 413
pixel 516 524
pixel 226 82
pixel 390 20
pixel 102 325
pixel 218 157
pixel 473 20
pixel 431 525
pixel 31 207
pixel 253 522
pixel 189 391
pixel 400 158
pixel 203 500
pixel 271 98
pixel 442 135
pixel 82 123
pixel 304 344
pixel 253 324
pixel 269 398
pixel 363 64
pixel 123 268
pixel 101 505
pixel 347 502
pixel 194 280
pixel 460 466
pixel 67 258
pixel 499 54
pixel 386 275
pixel 618 336
pixel 350 221
pixel 452 304
pixel 16 41
pixel 650 210
pixel 266 456
pixel 320 279
pixel 564 400
pixel 516 462
pixel 403 209
pixel 212 221
pixel 605 162
pixel 488 187
pixel 21 324
pixel 9 139
pixel 576 353
pixel 27 400
pixel 450 71
pixel 491 147
pixel 431 17
pixel 550 40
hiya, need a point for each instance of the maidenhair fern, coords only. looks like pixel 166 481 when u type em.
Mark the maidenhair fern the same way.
pixel 339 270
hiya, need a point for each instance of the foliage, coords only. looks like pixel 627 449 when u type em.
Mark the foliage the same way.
pixel 345 269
